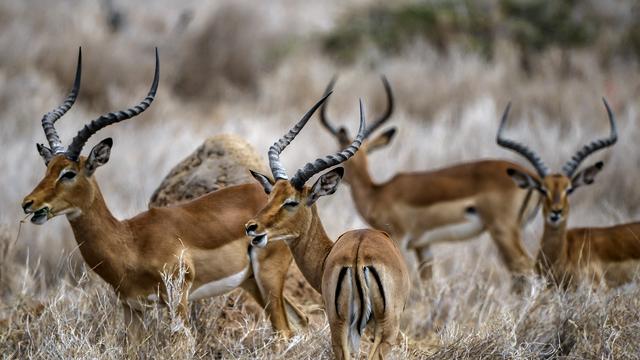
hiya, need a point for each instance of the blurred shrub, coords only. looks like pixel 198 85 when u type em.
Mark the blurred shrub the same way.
pixel 227 55
pixel 533 25
pixel 393 28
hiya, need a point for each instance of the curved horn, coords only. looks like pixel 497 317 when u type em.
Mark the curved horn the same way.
pixel 323 110
pixel 521 149
pixel 73 152
pixel 312 168
pixel 570 167
pixel 277 169
pixel 387 114
pixel 375 125
pixel 49 119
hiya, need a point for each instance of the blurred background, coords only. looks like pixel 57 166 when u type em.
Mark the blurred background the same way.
pixel 253 68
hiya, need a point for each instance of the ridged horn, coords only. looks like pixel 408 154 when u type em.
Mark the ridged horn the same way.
pixel 521 149
pixel 78 142
pixel 375 125
pixel 49 119
pixel 277 169
pixel 572 165
pixel 312 168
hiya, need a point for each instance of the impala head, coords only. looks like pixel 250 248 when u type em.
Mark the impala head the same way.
pixel 289 210
pixel 68 185
pixel 556 187
pixel 341 134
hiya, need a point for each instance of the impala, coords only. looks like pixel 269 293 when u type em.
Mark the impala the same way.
pixel 450 204
pixel 567 255
pixel 205 236
pixel 362 276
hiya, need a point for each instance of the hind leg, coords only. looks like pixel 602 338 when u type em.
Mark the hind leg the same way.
pixel 508 239
pixel 425 263
pixel 134 328
pixel 339 339
pixel 377 339
pixel 387 338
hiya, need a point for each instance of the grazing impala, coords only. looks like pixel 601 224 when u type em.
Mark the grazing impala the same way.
pixel 450 204
pixel 207 234
pixel 362 276
pixel 571 254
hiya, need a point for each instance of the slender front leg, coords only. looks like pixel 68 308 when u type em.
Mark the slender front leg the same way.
pixel 270 267
pixel 134 327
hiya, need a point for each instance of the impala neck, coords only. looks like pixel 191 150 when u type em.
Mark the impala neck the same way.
pixel 311 250
pixel 362 186
pixel 100 236
pixel 551 246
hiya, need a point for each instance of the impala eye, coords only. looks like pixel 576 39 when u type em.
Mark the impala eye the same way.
pixel 67 175
pixel 290 204
pixel 569 191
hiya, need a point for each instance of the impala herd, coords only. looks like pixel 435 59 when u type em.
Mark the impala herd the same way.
pixel 247 235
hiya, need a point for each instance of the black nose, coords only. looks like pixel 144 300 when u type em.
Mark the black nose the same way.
pixel 251 227
pixel 26 207
pixel 555 214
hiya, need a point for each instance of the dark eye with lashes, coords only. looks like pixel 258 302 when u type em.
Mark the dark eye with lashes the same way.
pixel 569 191
pixel 69 175
pixel 290 203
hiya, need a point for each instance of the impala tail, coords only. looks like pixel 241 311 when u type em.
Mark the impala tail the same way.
pixel 359 295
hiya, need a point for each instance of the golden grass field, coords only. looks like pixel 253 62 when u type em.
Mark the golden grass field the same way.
pixel 253 69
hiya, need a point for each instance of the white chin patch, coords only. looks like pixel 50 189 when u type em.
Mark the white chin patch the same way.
pixel 554 223
pixel 39 219
pixel 73 213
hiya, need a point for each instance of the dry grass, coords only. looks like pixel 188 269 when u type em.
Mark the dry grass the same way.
pixel 255 82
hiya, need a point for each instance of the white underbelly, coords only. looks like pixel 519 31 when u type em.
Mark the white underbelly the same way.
pixel 470 227
pixel 221 286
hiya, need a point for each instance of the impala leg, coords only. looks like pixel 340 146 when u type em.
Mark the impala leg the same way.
pixel 425 262
pixel 252 288
pixel 376 344
pixel 290 305
pixel 339 339
pixel 508 239
pixel 270 267
pixel 385 336
pixel 293 310
pixel 134 327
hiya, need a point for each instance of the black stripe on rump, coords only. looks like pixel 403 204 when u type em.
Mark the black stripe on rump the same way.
pixel 376 276
pixel 341 276
pixel 361 295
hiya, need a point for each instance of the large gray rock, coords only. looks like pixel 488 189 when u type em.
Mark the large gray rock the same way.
pixel 222 160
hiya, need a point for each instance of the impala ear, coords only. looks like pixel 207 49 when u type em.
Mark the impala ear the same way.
pixel 45 152
pixel 327 184
pixel 98 156
pixel 266 183
pixel 587 176
pixel 524 180
pixel 381 140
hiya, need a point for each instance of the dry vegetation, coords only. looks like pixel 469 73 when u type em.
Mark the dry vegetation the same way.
pixel 252 69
